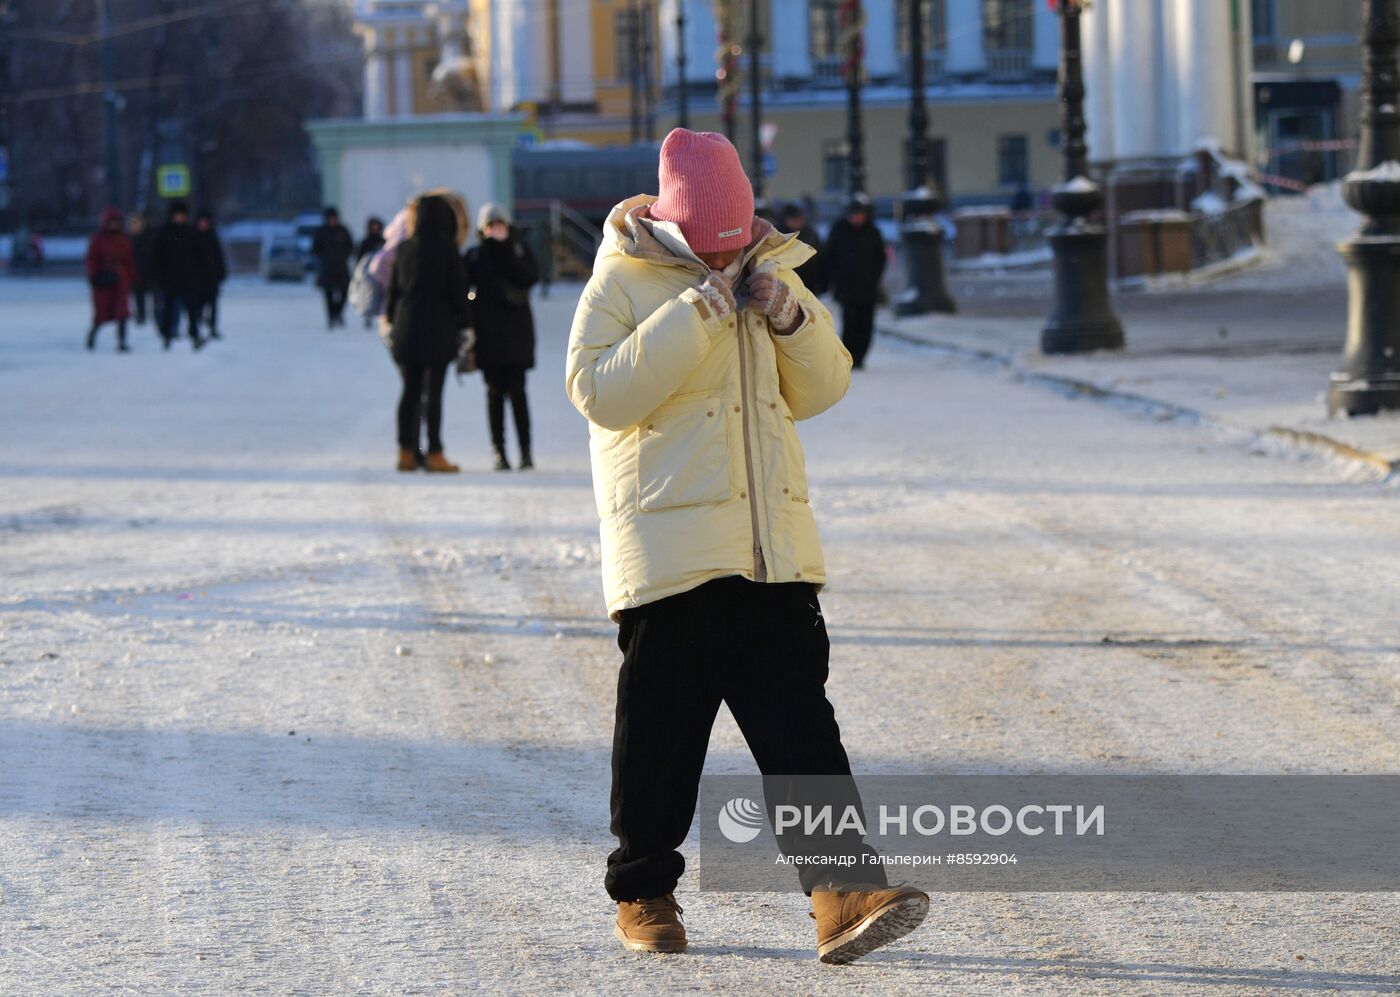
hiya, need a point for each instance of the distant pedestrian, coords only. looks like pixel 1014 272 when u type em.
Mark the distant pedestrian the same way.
pixel 426 309
pixel 373 240
pixel 813 272
pixel 111 271
pixel 500 271
pixel 213 270
pixel 142 242
pixel 1022 201
pixel 333 246
pixel 175 268
pixel 855 259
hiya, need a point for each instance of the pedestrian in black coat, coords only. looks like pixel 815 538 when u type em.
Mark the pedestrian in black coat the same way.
pixel 213 270
pixel 855 259
pixel 176 273
pixel 142 246
pixel 373 241
pixel 813 272
pixel 427 307
pixel 501 270
pixel 333 246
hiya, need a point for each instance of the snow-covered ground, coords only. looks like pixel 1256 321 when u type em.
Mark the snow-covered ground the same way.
pixel 275 718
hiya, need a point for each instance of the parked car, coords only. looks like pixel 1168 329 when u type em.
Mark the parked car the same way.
pixel 305 227
pixel 283 259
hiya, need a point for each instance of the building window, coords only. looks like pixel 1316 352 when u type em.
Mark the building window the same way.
pixel 935 25
pixel 824 40
pixel 627 50
pixel 835 164
pixel 937 166
pixel 1007 24
pixel 1265 17
pixel 1013 161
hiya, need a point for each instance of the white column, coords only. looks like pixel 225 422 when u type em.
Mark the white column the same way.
pixel 576 52
pixel 967 51
pixel 788 39
pixel 403 85
pixel 1134 48
pixel 1205 63
pixel 1045 40
pixel 1098 82
pixel 376 85
pixel 881 53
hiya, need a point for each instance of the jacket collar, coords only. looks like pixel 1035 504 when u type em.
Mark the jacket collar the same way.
pixel 629 232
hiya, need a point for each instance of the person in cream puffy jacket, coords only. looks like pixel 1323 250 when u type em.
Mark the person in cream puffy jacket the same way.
pixel 694 352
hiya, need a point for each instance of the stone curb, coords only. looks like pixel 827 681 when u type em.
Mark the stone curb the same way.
pixel 1298 440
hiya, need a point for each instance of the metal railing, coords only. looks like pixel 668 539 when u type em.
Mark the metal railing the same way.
pixel 1008 64
pixel 935 66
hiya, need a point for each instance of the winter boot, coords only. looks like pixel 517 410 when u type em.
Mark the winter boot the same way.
pixel 652 925
pixel 854 920
pixel 92 339
pixel 527 463
pixel 121 338
pixel 501 463
pixel 436 463
pixel 408 460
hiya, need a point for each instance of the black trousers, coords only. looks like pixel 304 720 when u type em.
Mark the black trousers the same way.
pixel 857 327
pixel 171 305
pixel 421 402
pixel 507 383
pixel 211 313
pixel 139 294
pixel 762 650
pixel 335 302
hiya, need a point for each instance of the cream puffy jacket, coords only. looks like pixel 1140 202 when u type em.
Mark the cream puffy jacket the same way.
pixel 697 469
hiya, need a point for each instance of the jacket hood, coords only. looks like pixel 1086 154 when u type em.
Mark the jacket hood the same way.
pixel 110 215
pixel 624 234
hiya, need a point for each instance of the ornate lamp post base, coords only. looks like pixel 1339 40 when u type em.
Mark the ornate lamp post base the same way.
pixel 921 241
pixel 1083 319
pixel 1369 381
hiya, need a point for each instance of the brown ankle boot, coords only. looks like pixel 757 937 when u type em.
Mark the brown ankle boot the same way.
pixel 408 460
pixel 652 925
pixel 439 464
pixel 853 920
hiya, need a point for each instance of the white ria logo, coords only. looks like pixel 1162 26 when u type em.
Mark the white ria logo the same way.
pixel 741 820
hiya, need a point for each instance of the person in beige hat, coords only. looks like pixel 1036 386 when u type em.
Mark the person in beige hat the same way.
pixel 694 351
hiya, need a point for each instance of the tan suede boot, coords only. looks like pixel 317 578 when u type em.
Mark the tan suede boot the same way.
pixel 408 460
pixel 652 925
pixel 853 920
pixel 438 463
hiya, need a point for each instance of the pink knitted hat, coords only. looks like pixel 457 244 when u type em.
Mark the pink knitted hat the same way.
pixel 705 191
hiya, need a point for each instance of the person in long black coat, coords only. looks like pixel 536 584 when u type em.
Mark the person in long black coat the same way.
pixel 175 272
pixel 427 307
pixel 813 272
pixel 333 246
pixel 855 260
pixel 142 246
pixel 501 270
pixel 373 241
pixel 213 270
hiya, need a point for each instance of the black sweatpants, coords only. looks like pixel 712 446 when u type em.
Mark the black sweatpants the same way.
pixel 503 383
pixel 168 321
pixel 421 402
pixel 762 650
pixel 857 328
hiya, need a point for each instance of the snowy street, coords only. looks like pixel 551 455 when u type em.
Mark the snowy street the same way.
pixel 276 718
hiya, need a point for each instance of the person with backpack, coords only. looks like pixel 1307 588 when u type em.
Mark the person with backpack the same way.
pixel 333 246
pixel 111 272
pixel 176 271
pixel 213 270
pixel 500 271
pixel 694 351
pixel 426 308
pixel 373 240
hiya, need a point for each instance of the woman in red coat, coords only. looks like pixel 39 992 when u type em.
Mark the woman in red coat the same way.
pixel 111 270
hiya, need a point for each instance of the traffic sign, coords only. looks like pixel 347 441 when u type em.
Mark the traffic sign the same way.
pixel 173 180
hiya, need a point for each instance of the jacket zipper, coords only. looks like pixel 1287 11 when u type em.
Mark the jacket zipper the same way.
pixel 760 568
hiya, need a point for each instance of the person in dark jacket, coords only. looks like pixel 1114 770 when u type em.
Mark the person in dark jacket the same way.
pixel 333 246
pixel 855 260
pixel 175 269
pixel 373 241
pixel 142 240
pixel 427 307
pixel 213 270
pixel 501 270
pixel 813 272
pixel 111 270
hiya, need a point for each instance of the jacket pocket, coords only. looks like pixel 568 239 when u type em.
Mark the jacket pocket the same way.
pixel 683 455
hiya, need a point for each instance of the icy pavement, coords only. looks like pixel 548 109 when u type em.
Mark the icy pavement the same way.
pixel 275 718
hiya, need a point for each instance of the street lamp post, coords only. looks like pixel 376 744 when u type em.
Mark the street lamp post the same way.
pixel 1083 319
pixel 853 45
pixel 682 91
pixel 1369 381
pixel 921 236
pixel 727 71
pixel 756 101
pixel 109 104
